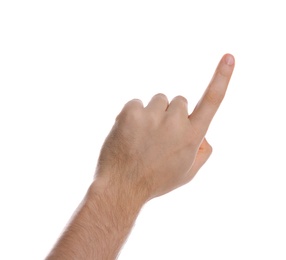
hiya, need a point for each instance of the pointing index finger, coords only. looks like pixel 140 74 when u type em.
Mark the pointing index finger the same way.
pixel 213 95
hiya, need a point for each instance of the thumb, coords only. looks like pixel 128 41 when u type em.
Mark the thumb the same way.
pixel 202 156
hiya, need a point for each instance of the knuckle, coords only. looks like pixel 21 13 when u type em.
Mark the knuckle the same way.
pixel 131 110
pixel 161 96
pixel 134 102
pixel 181 99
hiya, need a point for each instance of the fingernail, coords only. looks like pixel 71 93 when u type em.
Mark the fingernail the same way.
pixel 229 60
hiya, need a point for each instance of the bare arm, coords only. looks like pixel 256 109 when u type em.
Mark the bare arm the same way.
pixel 150 151
pixel 101 224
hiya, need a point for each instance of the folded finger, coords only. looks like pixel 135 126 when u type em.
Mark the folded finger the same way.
pixel 158 103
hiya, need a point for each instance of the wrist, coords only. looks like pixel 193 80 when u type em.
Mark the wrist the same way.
pixel 123 195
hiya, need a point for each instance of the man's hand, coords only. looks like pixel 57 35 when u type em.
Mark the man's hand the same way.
pixel 157 148
pixel 149 152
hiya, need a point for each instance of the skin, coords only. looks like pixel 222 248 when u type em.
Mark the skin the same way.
pixel 149 152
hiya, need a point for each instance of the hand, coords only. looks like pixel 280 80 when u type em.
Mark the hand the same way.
pixel 153 150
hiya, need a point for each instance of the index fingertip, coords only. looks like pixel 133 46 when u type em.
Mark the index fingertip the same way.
pixel 229 59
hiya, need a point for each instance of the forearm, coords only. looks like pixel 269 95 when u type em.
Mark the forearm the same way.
pixel 100 226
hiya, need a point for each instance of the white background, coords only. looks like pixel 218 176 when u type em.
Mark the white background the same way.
pixel 66 70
